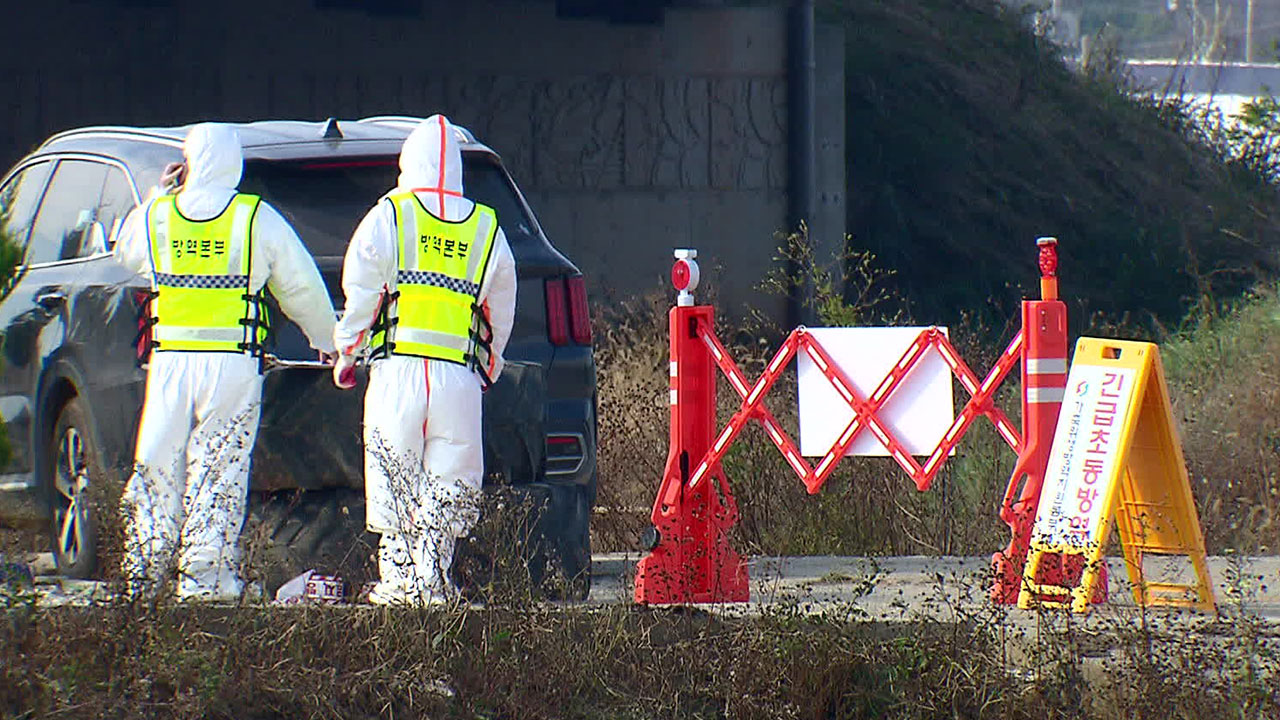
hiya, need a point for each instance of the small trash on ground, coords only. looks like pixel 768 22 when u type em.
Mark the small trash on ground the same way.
pixel 312 587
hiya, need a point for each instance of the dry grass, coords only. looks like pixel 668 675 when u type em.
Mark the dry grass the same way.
pixel 1226 388
pixel 537 661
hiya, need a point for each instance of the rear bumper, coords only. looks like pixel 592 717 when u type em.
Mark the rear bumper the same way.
pixel 310 435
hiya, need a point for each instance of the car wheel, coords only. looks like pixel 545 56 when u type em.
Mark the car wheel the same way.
pixel 290 532
pixel 573 544
pixel 71 460
pixel 540 527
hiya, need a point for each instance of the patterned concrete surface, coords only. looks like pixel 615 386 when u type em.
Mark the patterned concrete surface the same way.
pixel 901 588
pixel 887 588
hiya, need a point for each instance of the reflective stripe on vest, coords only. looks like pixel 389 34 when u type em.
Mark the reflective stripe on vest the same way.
pixel 440 271
pixel 201 278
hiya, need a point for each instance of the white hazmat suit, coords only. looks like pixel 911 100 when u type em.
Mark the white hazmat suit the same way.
pixel 185 504
pixel 422 428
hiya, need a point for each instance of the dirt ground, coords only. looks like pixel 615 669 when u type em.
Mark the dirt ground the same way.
pixel 18 541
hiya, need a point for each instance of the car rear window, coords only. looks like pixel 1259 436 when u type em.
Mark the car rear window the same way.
pixel 324 200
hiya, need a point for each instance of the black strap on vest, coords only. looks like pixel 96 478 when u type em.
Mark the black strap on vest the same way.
pixel 256 318
pixel 144 341
pixel 382 323
pixel 481 339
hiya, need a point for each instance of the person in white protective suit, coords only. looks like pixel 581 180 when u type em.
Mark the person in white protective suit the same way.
pixel 208 252
pixel 430 287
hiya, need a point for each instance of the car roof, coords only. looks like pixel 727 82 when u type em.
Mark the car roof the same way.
pixel 264 139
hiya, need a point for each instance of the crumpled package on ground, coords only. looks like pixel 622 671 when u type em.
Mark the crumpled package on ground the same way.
pixel 312 587
pixel 292 591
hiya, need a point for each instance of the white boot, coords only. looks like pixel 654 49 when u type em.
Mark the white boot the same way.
pixel 395 577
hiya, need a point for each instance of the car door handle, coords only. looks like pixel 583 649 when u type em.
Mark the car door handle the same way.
pixel 51 300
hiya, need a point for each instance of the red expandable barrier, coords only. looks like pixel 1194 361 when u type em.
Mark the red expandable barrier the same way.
pixel 690 558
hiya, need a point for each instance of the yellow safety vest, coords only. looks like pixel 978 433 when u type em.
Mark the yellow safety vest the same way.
pixel 200 279
pixel 440 269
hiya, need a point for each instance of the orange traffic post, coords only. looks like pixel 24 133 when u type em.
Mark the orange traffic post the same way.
pixel 1044 382
pixel 690 560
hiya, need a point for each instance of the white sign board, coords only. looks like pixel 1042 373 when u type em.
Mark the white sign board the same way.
pixel 918 412
pixel 1081 467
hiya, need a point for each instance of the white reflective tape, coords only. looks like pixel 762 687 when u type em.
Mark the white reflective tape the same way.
pixel 880 434
pixel 933 460
pixel 986 384
pixel 716 352
pixel 738 385
pixel 826 461
pixel 1008 434
pixel 720 441
pixel 240 229
pixel 844 391
pixel 168 333
pixel 1045 394
pixel 946 355
pixel 773 432
pixel 797 465
pixel 817 359
pixel 880 392
pixel 409 234
pixel 674 397
pixel 675 369
pixel 1046 366
pixel 697 475
pixel 483 227
pixel 431 337
pixel 777 361
pixel 849 431
pixel 755 392
pixel 164 261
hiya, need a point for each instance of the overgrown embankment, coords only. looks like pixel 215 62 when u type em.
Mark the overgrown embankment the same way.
pixel 968 137
pixel 1224 377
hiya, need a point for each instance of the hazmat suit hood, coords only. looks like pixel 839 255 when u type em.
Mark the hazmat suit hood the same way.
pixel 214 159
pixel 431 159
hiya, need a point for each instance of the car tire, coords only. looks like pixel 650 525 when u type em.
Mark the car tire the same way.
pixel 72 466
pixel 532 539
pixel 291 532
pixel 572 540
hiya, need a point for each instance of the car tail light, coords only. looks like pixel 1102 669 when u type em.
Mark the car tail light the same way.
pixel 563 443
pixel 579 317
pixel 557 317
pixel 564 454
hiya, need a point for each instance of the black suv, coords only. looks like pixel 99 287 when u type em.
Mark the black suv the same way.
pixel 72 374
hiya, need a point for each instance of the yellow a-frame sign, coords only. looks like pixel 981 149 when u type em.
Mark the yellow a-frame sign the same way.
pixel 1116 455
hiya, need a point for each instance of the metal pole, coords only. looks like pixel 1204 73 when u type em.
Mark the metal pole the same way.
pixel 802 178
pixel 1248 33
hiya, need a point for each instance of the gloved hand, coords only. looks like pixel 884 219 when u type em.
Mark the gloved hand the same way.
pixel 344 371
pixel 174 175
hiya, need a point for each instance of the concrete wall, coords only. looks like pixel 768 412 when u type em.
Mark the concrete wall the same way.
pixel 630 140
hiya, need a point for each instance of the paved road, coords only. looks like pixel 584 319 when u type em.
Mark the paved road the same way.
pixel 897 588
